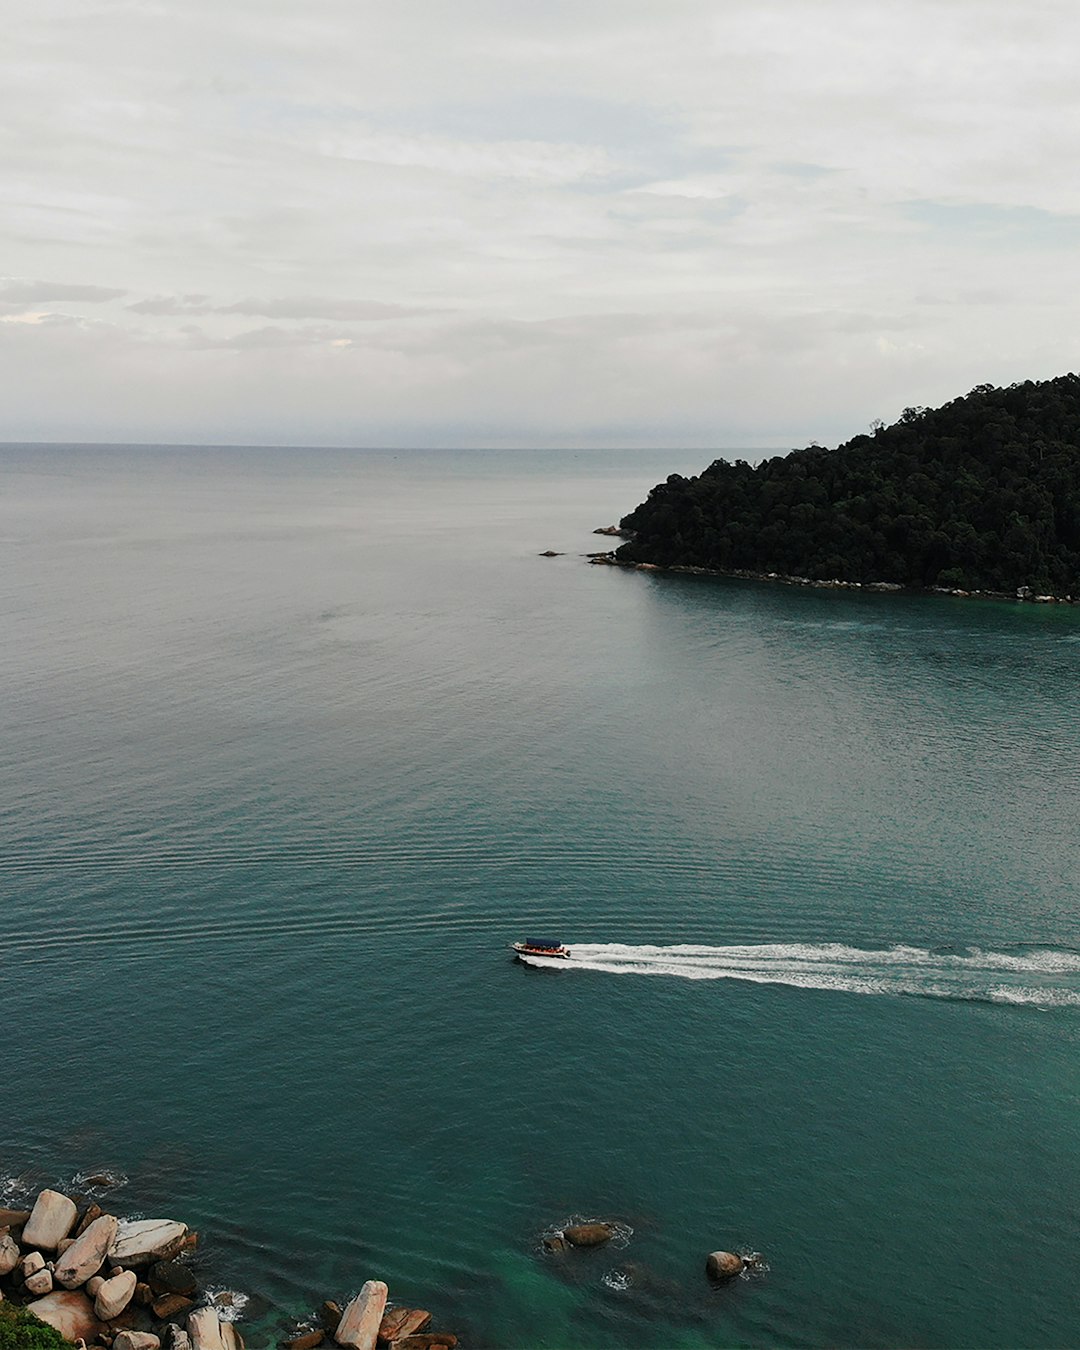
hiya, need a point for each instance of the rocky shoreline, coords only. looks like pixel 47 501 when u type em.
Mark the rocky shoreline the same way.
pixel 99 1280
pixel 1023 594
pixel 123 1284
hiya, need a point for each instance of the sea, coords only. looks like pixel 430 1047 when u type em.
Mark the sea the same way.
pixel 295 742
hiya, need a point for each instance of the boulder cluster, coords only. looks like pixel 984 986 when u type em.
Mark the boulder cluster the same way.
pixel 720 1266
pixel 117 1283
pixel 107 1281
pixel 367 1323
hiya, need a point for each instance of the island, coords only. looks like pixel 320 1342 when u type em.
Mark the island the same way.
pixel 979 495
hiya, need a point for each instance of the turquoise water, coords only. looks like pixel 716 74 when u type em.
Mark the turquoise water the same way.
pixel 294 743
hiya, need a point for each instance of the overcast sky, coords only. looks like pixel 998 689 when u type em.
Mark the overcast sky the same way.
pixel 529 222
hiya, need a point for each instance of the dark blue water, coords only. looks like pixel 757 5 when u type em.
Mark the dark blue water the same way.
pixel 295 742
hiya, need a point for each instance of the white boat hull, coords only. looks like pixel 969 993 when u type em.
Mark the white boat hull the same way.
pixel 533 957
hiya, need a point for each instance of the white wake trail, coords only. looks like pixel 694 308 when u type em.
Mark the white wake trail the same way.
pixel 1043 977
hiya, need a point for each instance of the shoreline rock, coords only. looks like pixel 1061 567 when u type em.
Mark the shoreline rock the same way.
pixel 125 1292
pixel 140 1242
pixel 87 1253
pixel 1022 594
pixel 51 1219
pixel 360 1322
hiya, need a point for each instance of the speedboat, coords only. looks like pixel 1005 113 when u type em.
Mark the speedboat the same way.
pixel 541 948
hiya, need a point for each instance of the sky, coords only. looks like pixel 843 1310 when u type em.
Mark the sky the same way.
pixel 756 223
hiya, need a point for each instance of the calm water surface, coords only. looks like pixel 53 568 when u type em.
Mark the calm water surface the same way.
pixel 295 742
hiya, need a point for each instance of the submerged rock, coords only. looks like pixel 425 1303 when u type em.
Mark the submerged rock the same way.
pixel 360 1322
pixel 103 1180
pixel 307 1340
pixel 51 1219
pixel 723 1265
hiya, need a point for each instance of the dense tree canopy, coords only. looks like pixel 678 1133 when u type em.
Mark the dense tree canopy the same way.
pixel 981 494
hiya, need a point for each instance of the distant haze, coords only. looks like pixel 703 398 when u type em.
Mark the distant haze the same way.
pixel 607 222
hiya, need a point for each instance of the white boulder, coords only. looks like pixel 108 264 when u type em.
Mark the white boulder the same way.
pixel 9 1254
pixel 136 1340
pixel 209 1332
pixel 41 1282
pixel 87 1253
pixel 140 1241
pixel 32 1263
pixel 114 1295
pixel 359 1325
pixel 50 1220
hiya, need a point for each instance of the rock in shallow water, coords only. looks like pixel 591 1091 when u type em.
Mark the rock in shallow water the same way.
pixel 330 1315
pixel 401 1322
pixel 360 1322
pixel 307 1340
pixel 209 1332
pixel 723 1265
pixel 589 1234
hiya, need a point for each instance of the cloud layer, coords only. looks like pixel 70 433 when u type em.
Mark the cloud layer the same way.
pixel 617 223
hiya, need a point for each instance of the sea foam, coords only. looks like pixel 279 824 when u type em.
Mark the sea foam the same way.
pixel 1041 977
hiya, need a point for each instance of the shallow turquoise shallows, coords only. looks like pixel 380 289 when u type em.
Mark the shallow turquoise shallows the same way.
pixel 295 742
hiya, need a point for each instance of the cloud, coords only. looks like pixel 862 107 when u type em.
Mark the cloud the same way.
pixel 272 336
pixel 313 307
pixel 173 305
pixel 15 294
pixel 703 217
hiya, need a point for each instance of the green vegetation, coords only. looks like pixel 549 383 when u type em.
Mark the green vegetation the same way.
pixel 981 494
pixel 21 1330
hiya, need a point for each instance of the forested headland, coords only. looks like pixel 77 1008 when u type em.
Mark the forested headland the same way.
pixel 980 494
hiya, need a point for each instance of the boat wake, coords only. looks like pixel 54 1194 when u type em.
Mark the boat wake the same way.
pixel 1038 976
